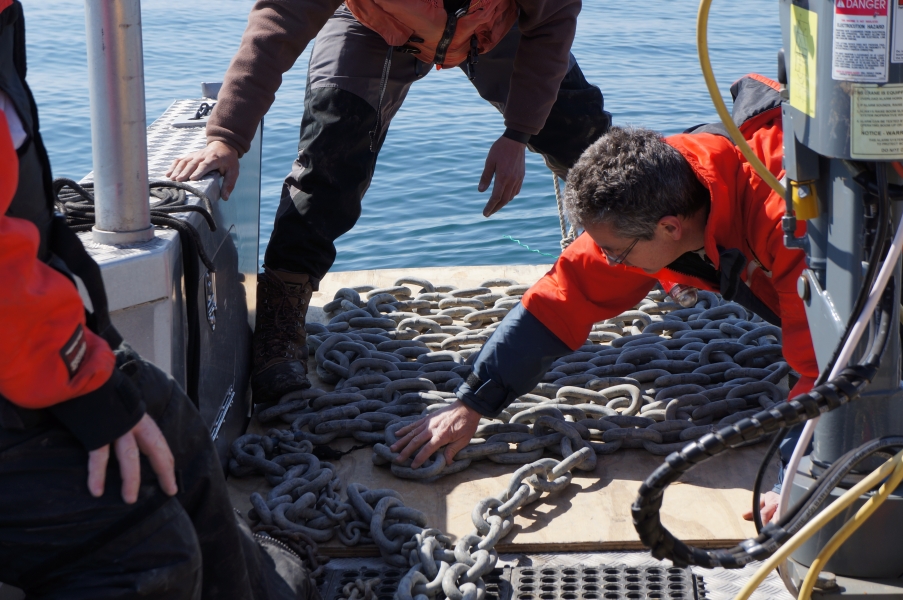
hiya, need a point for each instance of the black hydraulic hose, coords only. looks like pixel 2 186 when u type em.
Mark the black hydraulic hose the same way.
pixel 646 509
pixel 871 274
pixel 760 476
pixel 818 494
pixel 77 204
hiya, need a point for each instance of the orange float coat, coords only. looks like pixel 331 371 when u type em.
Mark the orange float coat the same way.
pixel 49 354
pixel 583 288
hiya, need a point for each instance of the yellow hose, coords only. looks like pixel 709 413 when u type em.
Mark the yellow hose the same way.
pixel 702 46
pixel 861 516
pixel 894 465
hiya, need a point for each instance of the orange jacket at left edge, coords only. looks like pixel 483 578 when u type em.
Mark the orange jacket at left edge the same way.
pixel 47 353
pixel 582 288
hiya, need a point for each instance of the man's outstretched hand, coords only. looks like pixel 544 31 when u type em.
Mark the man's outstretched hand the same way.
pixel 768 504
pixel 452 426
pixel 506 162
pixel 145 437
pixel 215 156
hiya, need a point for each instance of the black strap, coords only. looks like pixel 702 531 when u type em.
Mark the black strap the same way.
pixel 64 243
pixel 727 279
pixel 735 289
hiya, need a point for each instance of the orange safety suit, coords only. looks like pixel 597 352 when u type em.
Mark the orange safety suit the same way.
pixel 582 288
pixel 743 241
pixel 49 354
pixel 57 358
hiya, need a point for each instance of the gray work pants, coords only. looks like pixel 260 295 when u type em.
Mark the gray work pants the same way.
pixel 321 197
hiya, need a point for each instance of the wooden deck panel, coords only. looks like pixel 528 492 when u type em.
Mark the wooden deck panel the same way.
pixel 591 514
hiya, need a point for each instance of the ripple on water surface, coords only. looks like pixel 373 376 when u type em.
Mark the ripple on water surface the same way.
pixel 422 208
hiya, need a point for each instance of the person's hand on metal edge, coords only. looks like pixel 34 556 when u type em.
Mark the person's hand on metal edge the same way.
pixel 506 161
pixel 452 427
pixel 215 156
pixel 768 504
pixel 145 437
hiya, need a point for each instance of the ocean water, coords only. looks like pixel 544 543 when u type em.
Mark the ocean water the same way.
pixel 423 208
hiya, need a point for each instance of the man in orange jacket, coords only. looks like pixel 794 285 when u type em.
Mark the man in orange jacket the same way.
pixel 69 390
pixel 686 209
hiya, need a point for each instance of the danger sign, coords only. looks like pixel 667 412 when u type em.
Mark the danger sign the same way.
pixel 861 40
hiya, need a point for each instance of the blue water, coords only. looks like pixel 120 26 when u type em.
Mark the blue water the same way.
pixel 423 208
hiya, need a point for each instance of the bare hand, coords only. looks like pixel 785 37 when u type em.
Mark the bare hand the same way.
pixel 768 504
pixel 146 437
pixel 452 426
pixel 506 161
pixel 216 156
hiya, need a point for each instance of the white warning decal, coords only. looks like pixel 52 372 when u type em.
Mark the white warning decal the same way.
pixel 897 48
pixel 861 40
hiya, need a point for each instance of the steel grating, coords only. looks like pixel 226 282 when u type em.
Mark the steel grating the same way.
pixel 336 579
pixel 605 582
pixel 579 582
pixel 718 584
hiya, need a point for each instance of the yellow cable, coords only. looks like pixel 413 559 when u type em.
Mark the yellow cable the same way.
pixel 861 516
pixel 831 511
pixel 702 46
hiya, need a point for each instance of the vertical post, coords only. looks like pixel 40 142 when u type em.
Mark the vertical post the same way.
pixel 118 121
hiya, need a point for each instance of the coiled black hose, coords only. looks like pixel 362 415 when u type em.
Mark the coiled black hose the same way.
pixel 823 398
pixel 76 202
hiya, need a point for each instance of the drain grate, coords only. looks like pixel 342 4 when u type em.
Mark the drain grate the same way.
pixel 548 583
pixel 606 582
pixel 498 582
pixel 331 588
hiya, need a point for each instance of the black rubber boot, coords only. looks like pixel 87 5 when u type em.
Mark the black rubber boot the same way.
pixel 280 342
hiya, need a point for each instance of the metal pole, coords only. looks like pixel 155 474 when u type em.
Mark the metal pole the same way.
pixel 118 121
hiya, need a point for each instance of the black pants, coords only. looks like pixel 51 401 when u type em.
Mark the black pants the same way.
pixel 321 197
pixel 57 541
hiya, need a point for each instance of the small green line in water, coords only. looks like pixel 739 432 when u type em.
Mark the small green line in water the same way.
pixel 519 243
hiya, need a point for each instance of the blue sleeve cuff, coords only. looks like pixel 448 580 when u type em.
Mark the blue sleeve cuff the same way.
pixel 511 363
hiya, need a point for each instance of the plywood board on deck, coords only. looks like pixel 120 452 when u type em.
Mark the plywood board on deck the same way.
pixel 591 514
pixel 462 277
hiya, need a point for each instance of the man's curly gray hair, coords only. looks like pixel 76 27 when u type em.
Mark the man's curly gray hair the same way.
pixel 630 178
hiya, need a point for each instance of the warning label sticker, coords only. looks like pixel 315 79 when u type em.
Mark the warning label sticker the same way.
pixel 861 40
pixel 803 55
pixel 876 122
pixel 897 52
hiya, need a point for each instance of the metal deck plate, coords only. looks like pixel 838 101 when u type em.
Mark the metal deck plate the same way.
pixel 711 584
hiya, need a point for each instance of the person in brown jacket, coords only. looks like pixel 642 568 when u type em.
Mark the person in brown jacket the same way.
pixel 367 55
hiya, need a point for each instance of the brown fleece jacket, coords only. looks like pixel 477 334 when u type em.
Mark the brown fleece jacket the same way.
pixel 279 30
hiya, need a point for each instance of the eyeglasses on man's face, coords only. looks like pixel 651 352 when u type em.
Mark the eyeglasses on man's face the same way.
pixel 620 258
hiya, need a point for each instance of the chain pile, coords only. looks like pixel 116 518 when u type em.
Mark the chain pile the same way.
pixel 303 508
pixel 654 377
